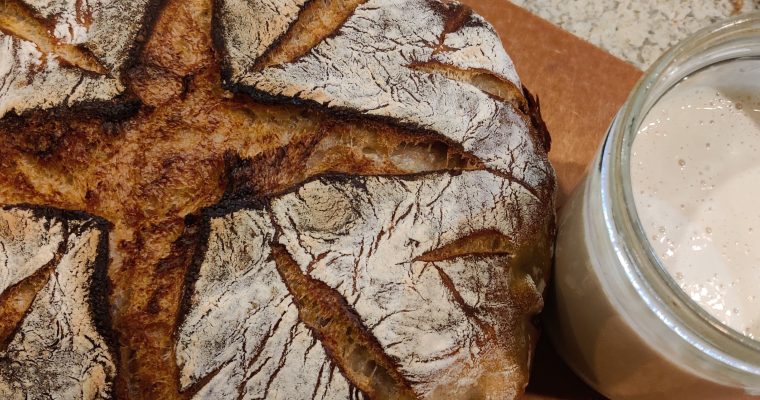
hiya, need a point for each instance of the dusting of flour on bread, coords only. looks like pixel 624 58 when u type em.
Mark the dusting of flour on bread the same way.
pixel 106 29
pixel 58 350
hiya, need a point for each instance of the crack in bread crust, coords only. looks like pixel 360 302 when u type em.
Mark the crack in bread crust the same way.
pixel 17 300
pixel 486 81
pixel 337 326
pixel 236 34
pixel 317 20
pixel 487 242
pixel 16 19
pixel 273 352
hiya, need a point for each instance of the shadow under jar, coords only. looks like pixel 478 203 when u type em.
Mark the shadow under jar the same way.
pixel 622 318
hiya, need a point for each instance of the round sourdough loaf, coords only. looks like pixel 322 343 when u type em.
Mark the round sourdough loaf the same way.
pixel 281 199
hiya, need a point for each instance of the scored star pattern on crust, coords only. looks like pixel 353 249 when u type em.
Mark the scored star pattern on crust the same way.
pixel 346 284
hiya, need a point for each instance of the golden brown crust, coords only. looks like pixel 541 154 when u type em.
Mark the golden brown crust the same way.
pixel 189 145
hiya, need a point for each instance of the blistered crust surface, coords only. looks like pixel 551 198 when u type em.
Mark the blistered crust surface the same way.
pixel 108 29
pixel 56 351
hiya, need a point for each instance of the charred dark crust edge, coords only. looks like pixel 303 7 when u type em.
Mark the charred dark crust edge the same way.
pixel 202 227
pixel 152 10
pixel 534 112
pixel 217 41
pixel 100 286
pixel 117 109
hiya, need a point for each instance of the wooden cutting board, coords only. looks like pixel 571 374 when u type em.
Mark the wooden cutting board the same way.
pixel 580 88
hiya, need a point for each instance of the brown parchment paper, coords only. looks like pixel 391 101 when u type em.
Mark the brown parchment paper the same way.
pixel 580 87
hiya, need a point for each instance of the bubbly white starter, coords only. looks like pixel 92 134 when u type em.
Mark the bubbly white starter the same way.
pixel 695 171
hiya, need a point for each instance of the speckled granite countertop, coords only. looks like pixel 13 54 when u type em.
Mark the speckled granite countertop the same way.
pixel 637 31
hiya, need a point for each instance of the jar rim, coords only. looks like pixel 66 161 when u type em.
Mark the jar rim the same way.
pixel 718 43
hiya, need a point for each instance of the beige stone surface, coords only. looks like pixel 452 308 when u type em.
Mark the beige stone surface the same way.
pixel 637 31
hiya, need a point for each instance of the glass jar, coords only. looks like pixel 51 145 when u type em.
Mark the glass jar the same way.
pixel 617 317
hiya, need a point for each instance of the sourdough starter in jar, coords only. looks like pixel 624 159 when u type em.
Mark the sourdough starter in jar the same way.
pixel 658 250
pixel 695 173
